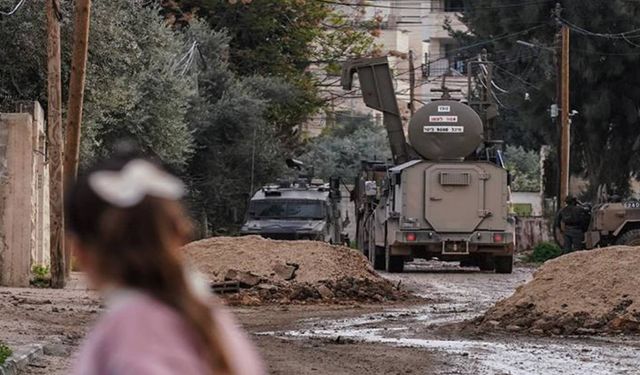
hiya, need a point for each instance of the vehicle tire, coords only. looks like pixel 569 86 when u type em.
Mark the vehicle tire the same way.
pixel 468 262
pixel 377 259
pixel 504 264
pixel 486 263
pixel 396 264
pixel 629 238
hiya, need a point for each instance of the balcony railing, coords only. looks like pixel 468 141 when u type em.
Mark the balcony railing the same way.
pixel 444 66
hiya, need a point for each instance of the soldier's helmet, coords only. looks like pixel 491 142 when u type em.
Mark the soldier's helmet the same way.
pixel 571 200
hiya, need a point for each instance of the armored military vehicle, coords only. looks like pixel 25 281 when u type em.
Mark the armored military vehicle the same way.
pixel 612 221
pixel 303 209
pixel 445 195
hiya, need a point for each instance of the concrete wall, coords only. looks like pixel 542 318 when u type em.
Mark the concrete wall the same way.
pixel 530 231
pixel 24 201
pixel 17 227
pixel 40 251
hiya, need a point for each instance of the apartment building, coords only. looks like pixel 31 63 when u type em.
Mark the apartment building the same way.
pixel 413 28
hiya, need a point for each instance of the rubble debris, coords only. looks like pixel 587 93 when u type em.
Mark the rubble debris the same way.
pixel 582 293
pixel 325 292
pixel 246 279
pixel 286 272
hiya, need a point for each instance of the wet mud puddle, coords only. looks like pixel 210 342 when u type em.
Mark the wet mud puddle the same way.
pixel 463 295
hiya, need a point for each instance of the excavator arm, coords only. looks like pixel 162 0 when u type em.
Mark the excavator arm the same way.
pixel 378 93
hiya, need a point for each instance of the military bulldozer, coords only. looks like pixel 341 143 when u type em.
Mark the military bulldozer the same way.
pixel 445 194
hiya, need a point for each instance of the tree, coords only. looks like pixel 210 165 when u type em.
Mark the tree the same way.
pixel 136 87
pixel 339 151
pixel 301 42
pixel 605 90
pixel 133 88
pixel 237 150
pixel 524 167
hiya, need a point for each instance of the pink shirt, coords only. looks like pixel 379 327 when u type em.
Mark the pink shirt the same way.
pixel 138 335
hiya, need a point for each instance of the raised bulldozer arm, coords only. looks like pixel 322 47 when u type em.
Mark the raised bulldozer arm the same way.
pixel 378 93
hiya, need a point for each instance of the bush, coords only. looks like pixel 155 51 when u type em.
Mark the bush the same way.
pixel 544 251
pixel 5 352
pixel 41 276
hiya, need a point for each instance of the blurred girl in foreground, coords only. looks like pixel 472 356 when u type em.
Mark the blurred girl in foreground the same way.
pixel 127 227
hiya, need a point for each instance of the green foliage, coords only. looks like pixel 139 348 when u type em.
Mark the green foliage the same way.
pixel 300 42
pixel 22 70
pixel 233 137
pixel 604 87
pixel 135 85
pixel 5 352
pixel 340 149
pixel 133 88
pixel 545 251
pixel 522 209
pixel 524 167
pixel 41 276
pixel 40 271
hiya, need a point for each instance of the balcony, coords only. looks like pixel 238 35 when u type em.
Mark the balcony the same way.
pixel 444 66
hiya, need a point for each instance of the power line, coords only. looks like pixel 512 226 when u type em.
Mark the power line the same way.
pixel 333 2
pixel 516 77
pixel 15 9
pixel 622 35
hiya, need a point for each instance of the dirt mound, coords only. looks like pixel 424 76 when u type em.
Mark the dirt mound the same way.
pixel 290 271
pixel 585 292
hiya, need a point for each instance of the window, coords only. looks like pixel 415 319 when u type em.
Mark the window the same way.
pixel 285 209
pixel 454 5
pixel 455 60
pixel 411 12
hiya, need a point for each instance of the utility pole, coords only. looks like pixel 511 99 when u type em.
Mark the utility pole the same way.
pixel 566 108
pixel 563 92
pixel 76 96
pixel 412 84
pixel 76 88
pixel 54 133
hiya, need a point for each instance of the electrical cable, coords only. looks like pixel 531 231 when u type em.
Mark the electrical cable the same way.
pixel 15 9
pixel 333 2
pixel 623 35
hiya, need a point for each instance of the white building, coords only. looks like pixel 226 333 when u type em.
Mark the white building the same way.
pixel 413 28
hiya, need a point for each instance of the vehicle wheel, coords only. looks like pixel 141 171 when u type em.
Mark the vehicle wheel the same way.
pixel 377 259
pixel 504 264
pixel 396 264
pixel 629 238
pixel 468 262
pixel 487 263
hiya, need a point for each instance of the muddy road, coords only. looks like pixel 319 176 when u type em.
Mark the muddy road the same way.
pixel 458 295
pixel 355 339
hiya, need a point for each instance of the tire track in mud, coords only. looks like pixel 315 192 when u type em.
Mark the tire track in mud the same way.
pixel 464 294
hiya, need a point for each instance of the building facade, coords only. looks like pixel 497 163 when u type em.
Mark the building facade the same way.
pixel 411 30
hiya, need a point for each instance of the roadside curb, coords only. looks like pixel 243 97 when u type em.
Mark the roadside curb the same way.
pixel 21 359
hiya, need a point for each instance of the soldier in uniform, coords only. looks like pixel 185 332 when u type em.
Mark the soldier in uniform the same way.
pixel 571 220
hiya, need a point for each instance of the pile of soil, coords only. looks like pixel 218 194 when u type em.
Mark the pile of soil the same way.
pixel 285 272
pixel 586 292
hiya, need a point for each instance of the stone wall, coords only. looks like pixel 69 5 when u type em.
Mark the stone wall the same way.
pixel 530 231
pixel 24 201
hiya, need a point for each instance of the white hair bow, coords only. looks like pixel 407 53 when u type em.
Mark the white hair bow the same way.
pixel 138 179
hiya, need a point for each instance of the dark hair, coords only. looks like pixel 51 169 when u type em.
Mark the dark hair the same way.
pixel 137 248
